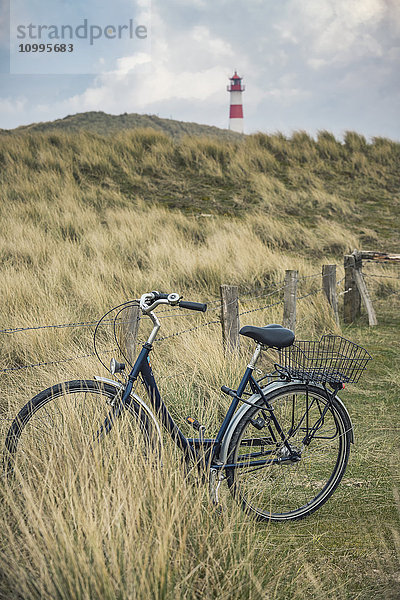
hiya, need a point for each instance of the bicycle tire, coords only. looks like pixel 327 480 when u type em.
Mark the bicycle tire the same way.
pixel 290 490
pixel 53 415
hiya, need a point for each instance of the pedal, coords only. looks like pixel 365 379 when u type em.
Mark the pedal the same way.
pixel 214 483
pixel 228 391
pixel 195 424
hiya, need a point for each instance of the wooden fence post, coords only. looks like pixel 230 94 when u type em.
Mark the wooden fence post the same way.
pixel 129 331
pixel 362 288
pixel 352 298
pixel 230 317
pixel 329 287
pixel 289 299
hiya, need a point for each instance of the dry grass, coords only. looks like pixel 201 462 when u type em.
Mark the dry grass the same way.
pixel 292 179
pixel 75 239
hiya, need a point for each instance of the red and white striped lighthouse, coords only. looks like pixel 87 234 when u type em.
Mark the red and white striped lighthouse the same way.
pixel 236 107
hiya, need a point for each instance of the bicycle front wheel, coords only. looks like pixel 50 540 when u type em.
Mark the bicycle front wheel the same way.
pixel 281 489
pixel 62 424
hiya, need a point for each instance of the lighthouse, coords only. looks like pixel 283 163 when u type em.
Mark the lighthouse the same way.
pixel 236 106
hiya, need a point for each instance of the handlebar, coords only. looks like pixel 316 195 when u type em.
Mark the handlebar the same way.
pixel 193 305
pixel 149 301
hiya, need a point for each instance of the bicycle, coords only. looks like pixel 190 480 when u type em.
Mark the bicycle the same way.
pixel 282 447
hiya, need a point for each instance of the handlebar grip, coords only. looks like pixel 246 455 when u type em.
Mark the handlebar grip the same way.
pixel 160 296
pixel 193 305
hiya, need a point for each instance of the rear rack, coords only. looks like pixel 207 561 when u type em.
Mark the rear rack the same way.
pixel 333 359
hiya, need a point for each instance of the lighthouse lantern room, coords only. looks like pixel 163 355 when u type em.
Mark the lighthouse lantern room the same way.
pixel 235 88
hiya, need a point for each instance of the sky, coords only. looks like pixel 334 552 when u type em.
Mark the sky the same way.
pixel 307 64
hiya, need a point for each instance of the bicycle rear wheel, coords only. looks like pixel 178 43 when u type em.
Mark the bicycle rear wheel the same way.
pixel 282 491
pixel 66 422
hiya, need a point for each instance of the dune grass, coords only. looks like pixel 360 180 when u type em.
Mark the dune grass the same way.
pixel 350 184
pixel 77 237
pixel 119 528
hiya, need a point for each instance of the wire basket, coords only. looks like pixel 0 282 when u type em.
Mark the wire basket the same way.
pixel 332 359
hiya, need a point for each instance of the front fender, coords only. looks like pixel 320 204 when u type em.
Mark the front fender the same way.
pixel 146 408
pixel 242 410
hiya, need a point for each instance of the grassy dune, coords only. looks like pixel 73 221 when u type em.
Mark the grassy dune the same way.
pixel 88 221
pixel 299 180
pixel 103 123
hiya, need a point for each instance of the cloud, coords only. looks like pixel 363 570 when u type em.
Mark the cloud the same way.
pixel 10 106
pixel 192 3
pixel 218 47
pixel 337 31
pixel 140 81
pixel 118 91
pixel 307 64
pixel 128 64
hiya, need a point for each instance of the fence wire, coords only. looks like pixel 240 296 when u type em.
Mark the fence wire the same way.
pixel 60 326
pixel 268 291
pixel 53 362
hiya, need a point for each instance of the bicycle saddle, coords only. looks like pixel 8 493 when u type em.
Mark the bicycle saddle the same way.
pixel 274 336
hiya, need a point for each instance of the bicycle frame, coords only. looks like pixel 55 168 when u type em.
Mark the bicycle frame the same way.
pixel 190 446
pixel 143 368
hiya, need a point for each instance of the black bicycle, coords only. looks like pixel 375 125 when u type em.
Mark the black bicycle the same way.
pixel 282 447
